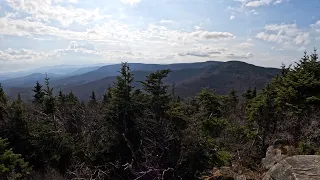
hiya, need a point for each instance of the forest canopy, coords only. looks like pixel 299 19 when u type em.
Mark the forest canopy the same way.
pixel 152 133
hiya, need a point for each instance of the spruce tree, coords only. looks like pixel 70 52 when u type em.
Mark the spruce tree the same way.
pixel 3 103
pixel 49 100
pixel 107 96
pixel 61 98
pixel 12 166
pixel 71 99
pixel 122 99
pixel 38 93
pixel 159 97
pixel 3 98
pixel 122 115
pixel 93 99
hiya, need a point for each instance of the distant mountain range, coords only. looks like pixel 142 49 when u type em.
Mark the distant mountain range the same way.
pixel 60 70
pixel 189 78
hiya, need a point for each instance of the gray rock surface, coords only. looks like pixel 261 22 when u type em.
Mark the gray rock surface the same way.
pixel 241 177
pixel 273 156
pixel 301 167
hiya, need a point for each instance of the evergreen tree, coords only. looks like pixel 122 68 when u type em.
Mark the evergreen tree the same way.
pixel 49 100
pixel 122 115
pixel 38 96
pixel 122 104
pixel 61 99
pixel 107 95
pixel 3 98
pixel 93 99
pixel 209 103
pixel 159 97
pixel 233 96
pixel 3 103
pixel 71 99
pixel 249 95
pixel 12 166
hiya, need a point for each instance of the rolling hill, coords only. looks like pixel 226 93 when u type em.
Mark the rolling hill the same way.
pixel 26 81
pixel 189 79
pixel 112 70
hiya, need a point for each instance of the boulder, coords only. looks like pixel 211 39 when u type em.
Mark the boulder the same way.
pixel 273 156
pixel 276 153
pixel 301 167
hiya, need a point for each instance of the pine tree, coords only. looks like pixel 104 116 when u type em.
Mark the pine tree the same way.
pixel 93 98
pixel 107 96
pixel 234 97
pixel 71 99
pixel 3 103
pixel 38 97
pixel 12 166
pixel 249 94
pixel 254 93
pixel 154 86
pixel 122 104
pixel 61 98
pixel 3 98
pixel 49 100
pixel 19 100
pixel 122 115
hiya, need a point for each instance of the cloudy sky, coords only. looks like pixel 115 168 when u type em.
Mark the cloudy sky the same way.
pixel 52 32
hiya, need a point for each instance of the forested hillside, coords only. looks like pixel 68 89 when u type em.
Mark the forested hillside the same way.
pixel 144 130
pixel 188 79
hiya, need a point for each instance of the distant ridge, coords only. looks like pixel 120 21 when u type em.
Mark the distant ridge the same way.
pixel 189 78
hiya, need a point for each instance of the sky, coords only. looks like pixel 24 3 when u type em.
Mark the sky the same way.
pixel 36 33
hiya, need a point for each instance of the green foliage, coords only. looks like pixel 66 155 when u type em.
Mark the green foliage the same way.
pixel 12 166
pixel 209 103
pixel 71 99
pixel 49 99
pixel 287 102
pixel 93 99
pixel 214 126
pixel 249 94
pixel 38 96
pixel 150 130
pixel 158 98
pixel 107 96
pixel 3 98
pixel 307 148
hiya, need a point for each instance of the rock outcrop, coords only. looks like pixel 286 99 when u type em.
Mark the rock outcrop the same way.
pixel 276 153
pixel 300 167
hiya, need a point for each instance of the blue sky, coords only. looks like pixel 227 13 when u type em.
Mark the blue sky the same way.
pixel 37 33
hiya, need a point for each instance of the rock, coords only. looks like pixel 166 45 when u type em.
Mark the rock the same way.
pixel 301 167
pixel 241 177
pixel 276 153
pixel 273 156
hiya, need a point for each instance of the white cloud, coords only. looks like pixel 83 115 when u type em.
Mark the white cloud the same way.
pixel 242 56
pixel 22 55
pixel 112 30
pixel 287 34
pixel 163 21
pixel 131 2
pixel 202 51
pixel 232 17
pixel 246 45
pixel 277 2
pixel 211 35
pixel 258 3
pixel 316 26
pixel 253 11
pixel 76 46
pixel 49 10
